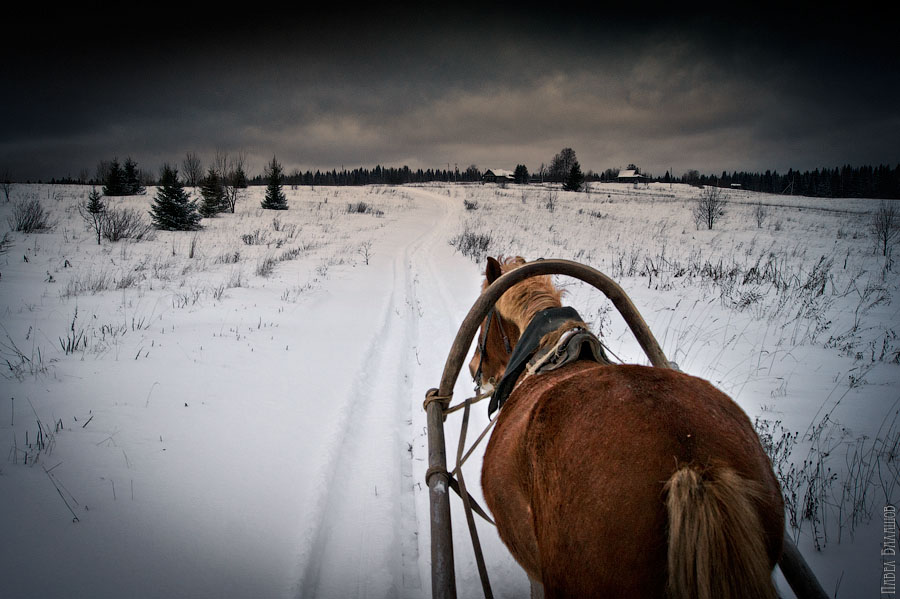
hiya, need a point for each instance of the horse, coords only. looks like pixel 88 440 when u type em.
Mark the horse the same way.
pixel 622 481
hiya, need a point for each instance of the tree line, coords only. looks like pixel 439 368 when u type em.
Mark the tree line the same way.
pixel 379 175
pixel 879 182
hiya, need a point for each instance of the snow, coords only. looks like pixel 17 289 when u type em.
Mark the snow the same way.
pixel 245 418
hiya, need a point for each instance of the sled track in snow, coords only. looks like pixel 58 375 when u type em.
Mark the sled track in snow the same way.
pixel 365 542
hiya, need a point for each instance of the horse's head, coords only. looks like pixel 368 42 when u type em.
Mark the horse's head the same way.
pixel 498 335
pixel 510 316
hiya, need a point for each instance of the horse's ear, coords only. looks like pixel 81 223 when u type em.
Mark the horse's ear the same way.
pixel 493 270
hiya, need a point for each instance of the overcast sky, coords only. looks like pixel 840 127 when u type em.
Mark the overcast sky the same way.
pixel 464 86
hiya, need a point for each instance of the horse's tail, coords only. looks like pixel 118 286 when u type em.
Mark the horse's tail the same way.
pixel 717 546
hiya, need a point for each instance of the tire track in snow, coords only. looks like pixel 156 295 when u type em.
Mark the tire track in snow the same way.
pixel 365 544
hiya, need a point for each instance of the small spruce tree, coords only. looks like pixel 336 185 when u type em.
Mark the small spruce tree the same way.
pixel 213 192
pixel 239 178
pixel 521 174
pixel 172 209
pixel 575 180
pixel 115 180
pixel 275 198
pixel 93 211
pixel 132 179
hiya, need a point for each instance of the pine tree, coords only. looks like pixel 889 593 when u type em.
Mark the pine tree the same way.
pixel 132 180
pixel 521 174
pixel 172 209
pixel 115 180
pixel 575 180
pixel 213 192
pixel 275 198
pixel 95 203
pixel 93 211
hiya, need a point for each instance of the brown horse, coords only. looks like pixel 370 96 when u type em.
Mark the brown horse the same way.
pixel 621 480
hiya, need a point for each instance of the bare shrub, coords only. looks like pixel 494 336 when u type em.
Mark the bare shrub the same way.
pixel 760 212
pixel 289 229
pixel 129 279
pixel 710 207
pixel 472 244
pixel 551 201
pixel 290 254
pixel 265 266
pixel 91 281
pixel 470 205
pixel 884 227
pixel 231 257
pixel 218 292
pixel 365 250
pixel 192 169
pixel 125 223
pixel 363 208
pixel 74 339
pixel 18 362
pixel 195 241
pixel 6 184
pixel 235 279
pixel 29 216
pixel 257 237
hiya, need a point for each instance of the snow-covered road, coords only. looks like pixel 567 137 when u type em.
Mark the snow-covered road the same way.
pixel 365 541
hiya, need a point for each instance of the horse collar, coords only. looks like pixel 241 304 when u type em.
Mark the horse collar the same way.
pixel 545 321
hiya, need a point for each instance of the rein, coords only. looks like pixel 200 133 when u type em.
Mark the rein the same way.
pixel 483 347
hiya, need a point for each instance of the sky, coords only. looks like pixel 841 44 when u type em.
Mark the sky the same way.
pixel 429 88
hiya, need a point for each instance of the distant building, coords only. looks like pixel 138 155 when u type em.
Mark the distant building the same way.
pixel 631 176
pixel 498 175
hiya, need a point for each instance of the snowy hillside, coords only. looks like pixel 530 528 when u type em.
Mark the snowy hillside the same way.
pixel 237 412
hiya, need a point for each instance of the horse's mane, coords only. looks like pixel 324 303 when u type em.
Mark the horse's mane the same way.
pixel 523 300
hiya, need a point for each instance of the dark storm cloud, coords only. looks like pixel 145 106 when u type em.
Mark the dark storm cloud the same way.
pixel 427 89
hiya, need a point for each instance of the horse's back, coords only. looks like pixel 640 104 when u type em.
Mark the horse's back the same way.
pixel 589 449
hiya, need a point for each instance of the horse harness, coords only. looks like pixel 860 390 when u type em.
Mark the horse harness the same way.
pixel 574 342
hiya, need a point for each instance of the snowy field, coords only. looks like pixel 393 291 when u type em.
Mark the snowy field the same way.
pixel 237 412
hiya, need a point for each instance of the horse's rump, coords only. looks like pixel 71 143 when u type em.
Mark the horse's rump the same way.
pixel 585 453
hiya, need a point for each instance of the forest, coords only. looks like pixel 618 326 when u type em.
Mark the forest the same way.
pixel 882 182
pixel 879 182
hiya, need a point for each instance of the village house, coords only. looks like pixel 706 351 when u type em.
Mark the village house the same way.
pixel 498 175
pixel 631 176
